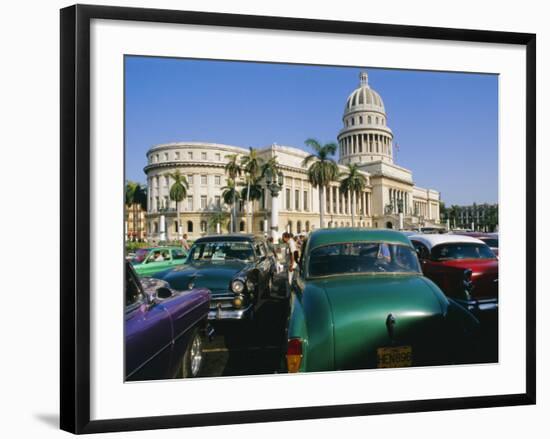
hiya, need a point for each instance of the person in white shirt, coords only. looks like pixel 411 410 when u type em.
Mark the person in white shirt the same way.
pixel 292 257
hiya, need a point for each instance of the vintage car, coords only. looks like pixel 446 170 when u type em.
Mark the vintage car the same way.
pixel 449 258
pixel 139 255
pixel 159 259
pixel 360 301
pixel 238 269
pixel 163 329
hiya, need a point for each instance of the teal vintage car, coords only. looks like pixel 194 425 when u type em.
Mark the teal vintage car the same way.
pixel 160 259
pixel 360 301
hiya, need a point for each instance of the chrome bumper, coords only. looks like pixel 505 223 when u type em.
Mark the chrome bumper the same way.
pixel 220 313
pixel 483 305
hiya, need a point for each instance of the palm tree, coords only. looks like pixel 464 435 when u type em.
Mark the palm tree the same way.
pixel 252 166
pixel 233 170
pixel 270 168
pixel 323 169
pixel 230 196
pixel 178 193
pixel 353 183
pixel 220 217
pixel 135 196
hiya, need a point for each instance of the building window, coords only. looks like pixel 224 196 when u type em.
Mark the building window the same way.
pixel 203 226
pixel 360 120
pixel 204 180
pixel 262 200
pixel 190 155
pixel 369 120
pixel 241 226
pixel 307 226
pixel 352 121
pixel 261 224
pixel 287 193
pixel 156 158
pixel 165 156
pixel 190 179
pixel 376 121
pixel 203 155
pixel 217 180
pixel 176 226
pixel 156 227
pixel 299 227
pixel 190 202
pixel 165 204
pixel 218 157
pixel 190 226
pixel 306 208
pixel 203 201
pixel 297 199
pixel 177 155
pixel 218 201
pixel 166 181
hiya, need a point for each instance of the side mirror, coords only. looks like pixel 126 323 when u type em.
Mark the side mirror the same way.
pixel 163 293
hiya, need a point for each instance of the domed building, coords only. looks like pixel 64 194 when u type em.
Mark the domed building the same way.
pixel 390 198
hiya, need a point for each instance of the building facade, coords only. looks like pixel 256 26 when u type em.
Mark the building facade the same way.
pixel 390 199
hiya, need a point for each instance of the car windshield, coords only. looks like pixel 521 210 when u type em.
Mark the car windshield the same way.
pixel 221 251
pixel 362 257
pixel 460 250
pixel 491 242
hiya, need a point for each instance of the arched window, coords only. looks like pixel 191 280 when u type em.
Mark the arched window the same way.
pixel 203 227
pixel 369 120
pixel 307 226
pixel 241 226
pixel 190 226
pixel 289 227
pixel 376 121
pixel 299 227
pixel 389 225
pixel 360 120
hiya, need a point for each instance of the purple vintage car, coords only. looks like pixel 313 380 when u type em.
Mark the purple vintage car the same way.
pixel 164 329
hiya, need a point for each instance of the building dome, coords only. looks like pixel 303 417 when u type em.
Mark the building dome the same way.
pixel 365 136
pixel 364 98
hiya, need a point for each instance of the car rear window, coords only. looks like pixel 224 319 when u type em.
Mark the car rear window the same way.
pixel 459 250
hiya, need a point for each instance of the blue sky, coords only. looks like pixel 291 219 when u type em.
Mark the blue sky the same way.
pixel 446 124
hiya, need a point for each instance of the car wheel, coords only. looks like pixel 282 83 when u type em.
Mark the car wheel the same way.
pixel 193 357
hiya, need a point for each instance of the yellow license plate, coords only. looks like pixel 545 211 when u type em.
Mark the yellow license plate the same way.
pixel 398 356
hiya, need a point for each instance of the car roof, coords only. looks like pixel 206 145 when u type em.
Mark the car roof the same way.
pixel 431 241
pixel 229 237
pixel 339 235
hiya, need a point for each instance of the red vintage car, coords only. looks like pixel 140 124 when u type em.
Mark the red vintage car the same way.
pixel 465 268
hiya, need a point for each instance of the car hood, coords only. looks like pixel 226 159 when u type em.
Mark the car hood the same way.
pixel 216 276
pixel 360 308
pixel 476 265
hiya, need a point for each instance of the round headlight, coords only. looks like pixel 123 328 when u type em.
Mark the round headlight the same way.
pixel 237 286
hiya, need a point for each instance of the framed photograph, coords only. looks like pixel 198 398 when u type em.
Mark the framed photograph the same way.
pixel 274 218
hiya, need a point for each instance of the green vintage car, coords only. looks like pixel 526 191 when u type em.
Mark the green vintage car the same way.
pixel 159 259
pixel 360 301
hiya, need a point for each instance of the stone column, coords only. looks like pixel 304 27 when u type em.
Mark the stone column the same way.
pixel 162 228
pixel 275 216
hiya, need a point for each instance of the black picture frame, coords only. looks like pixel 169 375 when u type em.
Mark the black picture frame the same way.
pixel 75 217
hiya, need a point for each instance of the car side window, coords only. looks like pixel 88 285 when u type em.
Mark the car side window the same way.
pixel 133 291
pixel 260 250
pixel 421 250
pixel 178 254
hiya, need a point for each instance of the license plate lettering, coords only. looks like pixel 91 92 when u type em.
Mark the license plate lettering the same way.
pixel 398 356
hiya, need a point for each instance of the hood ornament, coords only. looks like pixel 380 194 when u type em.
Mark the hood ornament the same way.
pixel 390 325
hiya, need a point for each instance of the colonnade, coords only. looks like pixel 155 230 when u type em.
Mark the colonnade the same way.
pixel 365 143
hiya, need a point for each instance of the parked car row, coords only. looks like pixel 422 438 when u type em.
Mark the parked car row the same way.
pixel 360 299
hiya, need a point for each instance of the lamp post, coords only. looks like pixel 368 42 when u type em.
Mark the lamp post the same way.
pixel 274 182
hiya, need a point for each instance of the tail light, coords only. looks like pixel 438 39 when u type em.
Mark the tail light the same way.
pixel 294 354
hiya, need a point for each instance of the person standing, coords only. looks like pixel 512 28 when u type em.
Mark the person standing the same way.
pixel 291 256
pixel 184 243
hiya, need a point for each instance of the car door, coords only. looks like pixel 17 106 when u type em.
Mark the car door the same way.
pixel 263 266
pixel 148 334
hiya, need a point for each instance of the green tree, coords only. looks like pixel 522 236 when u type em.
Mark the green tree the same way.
pixel 178 193
pixel 322 169
pixel 231 196
pixel 220 217
pixel 233 170
pixel 353 183
pixel 252 167
pixel 135 196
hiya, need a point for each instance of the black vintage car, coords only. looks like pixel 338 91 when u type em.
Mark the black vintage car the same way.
pixel 238 269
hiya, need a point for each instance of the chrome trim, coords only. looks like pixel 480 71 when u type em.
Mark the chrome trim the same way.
pixel 232 314
pixel 479 305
